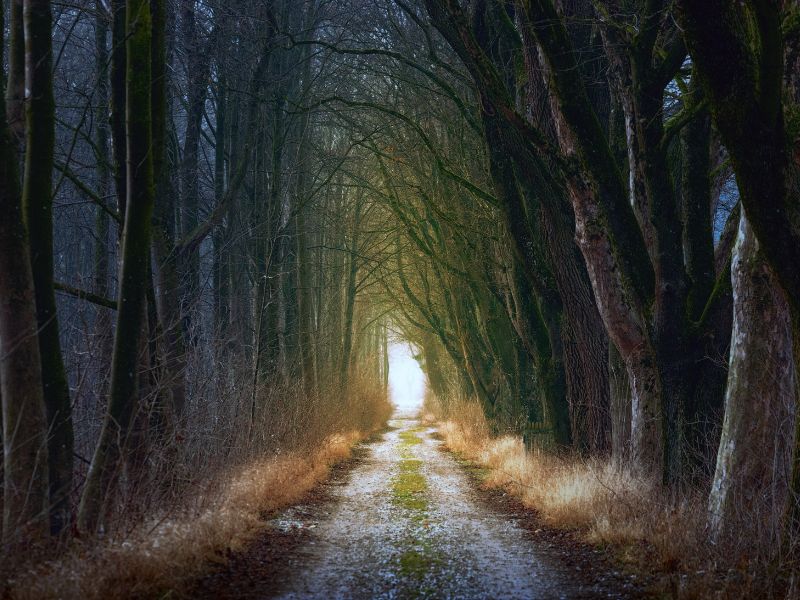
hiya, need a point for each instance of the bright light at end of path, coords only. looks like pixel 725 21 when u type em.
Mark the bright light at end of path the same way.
pixel 406 378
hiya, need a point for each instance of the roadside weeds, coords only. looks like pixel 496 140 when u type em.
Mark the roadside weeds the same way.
pixel 162 556
pixel 641 529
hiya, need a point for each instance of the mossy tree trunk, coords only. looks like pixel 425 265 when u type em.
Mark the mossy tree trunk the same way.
pixel 754 459
pixel 709 300
pixel 741 69
pixel 607 231
pixel 745 56
pixel 544 307
pixel 508 135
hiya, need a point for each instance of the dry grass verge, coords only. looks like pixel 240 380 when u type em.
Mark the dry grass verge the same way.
pixel 199 493
pixel 165 554
pixel 635 520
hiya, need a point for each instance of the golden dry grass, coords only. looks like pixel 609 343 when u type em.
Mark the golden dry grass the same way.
pixel 207 498
pixel 606 504
pixel 161 555
pixel 654 530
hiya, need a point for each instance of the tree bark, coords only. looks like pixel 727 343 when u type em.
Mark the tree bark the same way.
pixel 740 52
pixel 754 460
pixel 37 201
pixel 118 103
pixel 350 298
pixel 102 248
pixel 741 69
pixel 220 238
pixel 168 297
pixel 301 201
pixel 15 88
pixel 25 481
pixel 620 399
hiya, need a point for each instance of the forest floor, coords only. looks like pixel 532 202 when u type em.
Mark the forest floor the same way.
pixel 406 519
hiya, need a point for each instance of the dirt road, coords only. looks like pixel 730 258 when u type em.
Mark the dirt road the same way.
pixel 407 524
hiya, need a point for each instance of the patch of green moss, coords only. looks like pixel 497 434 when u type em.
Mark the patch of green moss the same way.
pixel 410 465
pixel 471 468
pixel 478 472
pixel 410 482
pixel 410 493
pixel 413 563
pixel 790 27
pixel 409 438
pixel 792 116
pixel 408 490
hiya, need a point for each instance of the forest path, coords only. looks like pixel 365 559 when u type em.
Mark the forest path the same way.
pixel 407 524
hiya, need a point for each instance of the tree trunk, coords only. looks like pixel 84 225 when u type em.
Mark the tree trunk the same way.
pixel 301 201
pixel 754 460
pixel 25 481
pixel 305 298
pixel 118 69
pixel 608 235
pixel 270 257
pixel 542 339
pixel 37 201
pixel 168 299
pixel 741 68
pixel 385 356
pixel 15 90
pixel 350 299
pixel 220 238
pixel 289 284
pixel 584 339
pixel 620 407
pixel 102 249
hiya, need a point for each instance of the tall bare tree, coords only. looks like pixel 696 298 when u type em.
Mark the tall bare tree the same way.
pixel 25 482
pixel 37 201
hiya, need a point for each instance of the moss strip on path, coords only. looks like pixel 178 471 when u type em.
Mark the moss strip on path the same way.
pixel 408 489
pixel 409 493
pixel 409 486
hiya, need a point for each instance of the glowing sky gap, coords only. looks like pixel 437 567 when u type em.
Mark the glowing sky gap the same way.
pixel 407 382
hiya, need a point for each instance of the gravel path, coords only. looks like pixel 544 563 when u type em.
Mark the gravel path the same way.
pixel 407 524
